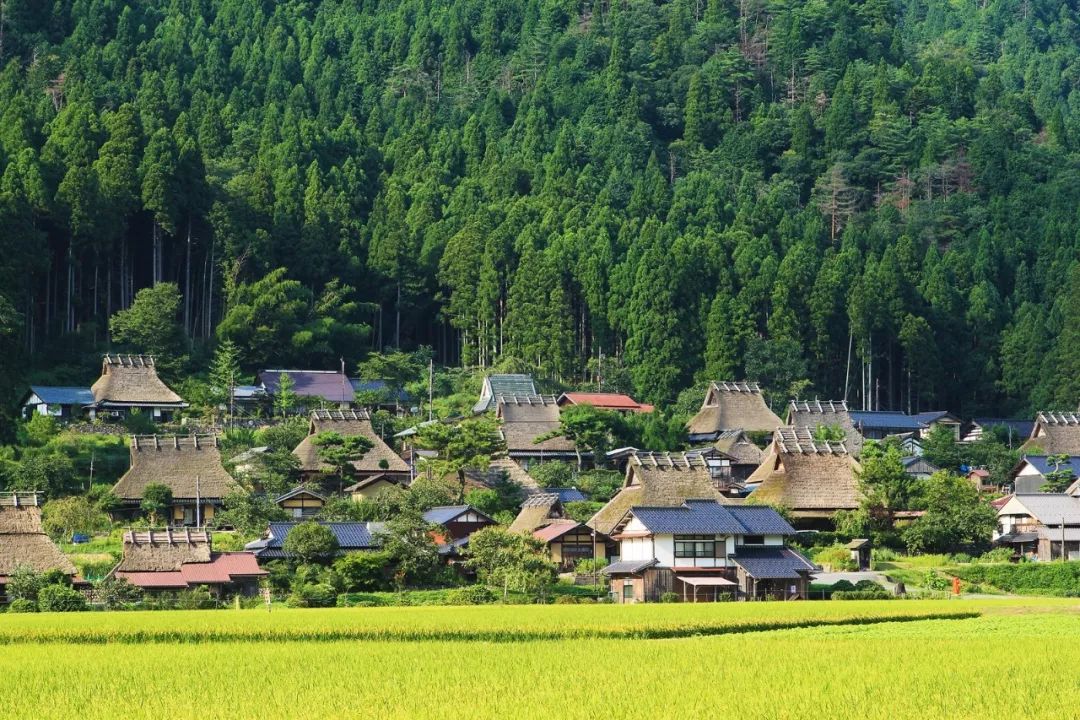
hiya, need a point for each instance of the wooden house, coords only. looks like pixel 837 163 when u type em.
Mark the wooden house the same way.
pixel 171 560
pixel 611 402
pixel 567 540
pixel 918 467
pixel 1054 433
pixel 130 383
pixel 1029 475
pixel 23 542
pixel 63 403
pixel 731 406
pixel 379 460
pixel 509 385
pixel 351 537
pixel 702 550
pixel 812 479
pixel 980 479
pixel 455 523
pixel 373 486
pixel 325 388
pixel 744 456
pixel 301 503
pixel 662 480
pixel 860 549
pixel 930 419
pixel 1042 526
pixel 190 466
pixel 817 414
pixel 526 418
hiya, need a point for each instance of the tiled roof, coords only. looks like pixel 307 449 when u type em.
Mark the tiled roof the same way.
pixel 772 562
pixel 567 494
pixel 222 568
pixel 629 567
pixel 1042 464
pixel 330 385
pixel 711 518
pixel 445 513
pixel 505 384
pixel 350 536
pixel 63 395
pixel 557 529
pixel 1020 427
pixel 1050 508
pixel 886 420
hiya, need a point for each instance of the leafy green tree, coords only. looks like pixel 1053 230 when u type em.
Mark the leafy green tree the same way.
pixel 885 485
pixel 409 542
pixel 285 398
pixel 341 451
pixel 469 444
pixel 64 517
pixel 511 561
pixel 152 326
pixel 157 500
pixel 1060 478
pixel 310 542
pixel 249 513
pixel 956 517
pixel 591 430
pixel 224 375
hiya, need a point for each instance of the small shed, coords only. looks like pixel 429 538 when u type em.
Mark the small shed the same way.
pixel 860 553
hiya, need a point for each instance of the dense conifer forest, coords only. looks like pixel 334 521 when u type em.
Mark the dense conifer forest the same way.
pixel 878 200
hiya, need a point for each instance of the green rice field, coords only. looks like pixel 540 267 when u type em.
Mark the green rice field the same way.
pixel 910 659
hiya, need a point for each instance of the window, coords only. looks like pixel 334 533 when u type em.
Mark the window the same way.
pixel 627 590
pixel 753 540
pixel 695 546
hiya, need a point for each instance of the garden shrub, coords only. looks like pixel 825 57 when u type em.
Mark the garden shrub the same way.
pixel 60 598
pixel 471 595
pixel 843 586
pixel 566 600
pixel 313 595
pixel 669 597
pixel 879 594
pixel 1057 578
pixel 997 555
pixel 960 559
pixel 837 557
pixel 22 605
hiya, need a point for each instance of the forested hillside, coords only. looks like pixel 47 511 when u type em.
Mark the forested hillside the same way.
pixel 808 193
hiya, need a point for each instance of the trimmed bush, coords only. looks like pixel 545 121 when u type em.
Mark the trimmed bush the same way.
pixel 313 595
pixel 879 594
pixel 60 598
pixel 1057 578
pixel 669 597
pixel 22 605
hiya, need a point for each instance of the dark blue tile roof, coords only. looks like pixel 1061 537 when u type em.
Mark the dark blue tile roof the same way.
pixel 1040 463
pixel 444 513
pixel 885 420
pixel 708 517
pixel 63 395
pixel 566 494
pixel 1020 428
pixel 350 536
pixel 759 520
pixel 771 562
pixel 631 567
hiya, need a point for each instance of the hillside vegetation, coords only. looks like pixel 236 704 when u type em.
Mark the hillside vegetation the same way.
pixel 877 197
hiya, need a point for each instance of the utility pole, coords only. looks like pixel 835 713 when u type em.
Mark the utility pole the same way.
pixel 430 389
pixel 198 504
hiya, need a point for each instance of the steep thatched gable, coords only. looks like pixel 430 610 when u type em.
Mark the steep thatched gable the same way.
pixel 132 381
pixel 23 542
pixel 810 478
pixel 732 406
pixel 525 418
pixel 381 458
pixel 660 480
pixel 537 510
pixel 164 550
pixel 814 414
pixel 189 465
pixel 1056 433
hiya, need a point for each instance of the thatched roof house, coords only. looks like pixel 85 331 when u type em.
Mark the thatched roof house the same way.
pixel 23 542
pixel 527 417
pixel 181 559
pixel 379 460
pixel 731 406
pixel 812 479
pixel 1056 433
pixel 745 455
pixel 814 414
pixel 662 480
pixel 537 511
pixel 131 382
pixel 502 467
pixel 567 540
pixel 189 465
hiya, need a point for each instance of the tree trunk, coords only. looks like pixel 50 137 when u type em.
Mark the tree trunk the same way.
pixel 397 318
pixel 187 283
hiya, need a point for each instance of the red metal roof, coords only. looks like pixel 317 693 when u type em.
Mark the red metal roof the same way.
pixel 555 530
pixel 223 568
pixel 607 401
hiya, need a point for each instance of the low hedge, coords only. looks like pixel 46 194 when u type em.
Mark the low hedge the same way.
pixel 1031 578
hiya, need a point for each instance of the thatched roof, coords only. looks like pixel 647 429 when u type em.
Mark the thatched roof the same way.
pixel 813 414
pixel 536 512
pixel 742 451
pixel 503 466
pixel 659 480
pixel 348 423
pixel 807 476
pixel 525 418
pixel 1056 433
pixel 164 550
pixel 22 540
pixel 131 380
pixel 178 462
pixel 733 406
